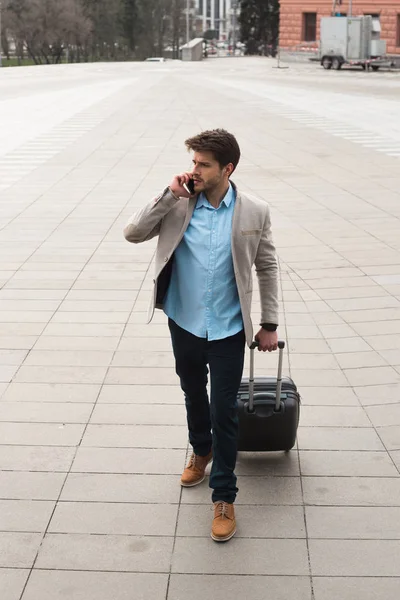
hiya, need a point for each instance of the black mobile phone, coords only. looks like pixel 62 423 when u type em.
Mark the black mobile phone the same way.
pixel 189 187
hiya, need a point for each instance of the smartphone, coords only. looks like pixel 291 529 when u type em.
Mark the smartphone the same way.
pixel 189 187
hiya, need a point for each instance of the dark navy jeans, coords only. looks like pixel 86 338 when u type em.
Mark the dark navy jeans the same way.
pixel 212 424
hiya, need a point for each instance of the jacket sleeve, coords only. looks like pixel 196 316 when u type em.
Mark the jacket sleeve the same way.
pixel 267 272
pixel 146 222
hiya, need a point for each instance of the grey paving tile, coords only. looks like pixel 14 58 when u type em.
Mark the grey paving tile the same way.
pixel 381 523
pixel 20 342
pixel 335 416
pixel 33 316
pixel 323 396
pixel 240 586
pixel 25 515
pixel 45 412
pixel 313 361
pixel 16 485
pixel 338 438
pixel 85 552
pixel 153 330
pixel 80 585
pixel 395 455
pixel 142 344
pixel 12 357
pixel 116 519
pixel 383 416
pixel 22 329
pixel 122 488
pixel 267 463
pixel 348 463
pixel 348 588
pixel 51 392
pixel 299 346
pixel 364 303
pixel 12 583
pixel 271 522
pixel 36 458
pixel 141 376
pixel 129 460
pixel 392 357
pixel 383 342
pixel 362 558
pixel 41 434
pixel 70 358
pixel 304 332
pixel 60 375
pixel 390 436
pixel 337 331
pixel 372 376
pixel 343 293
pixel 351 344
pixel 359 360
pixel 352 491
pixel 242 557
pixel 90 317
pixel 136 436
pixel 143 359
pixel 378 394
pixel 379 328
pixel 18 550
pixel 140 394
pixel 139 414
pixel 7 373
pixel 88 344
pixel 84 329
pixel 319 378
pixel 283 491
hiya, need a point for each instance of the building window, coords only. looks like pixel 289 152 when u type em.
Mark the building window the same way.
pixel 398 31
pixel 309 27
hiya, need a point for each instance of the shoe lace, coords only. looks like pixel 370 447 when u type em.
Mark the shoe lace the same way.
pixel 194 461
pixel 222 508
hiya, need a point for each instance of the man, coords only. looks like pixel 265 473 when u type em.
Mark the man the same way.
pixel 208 242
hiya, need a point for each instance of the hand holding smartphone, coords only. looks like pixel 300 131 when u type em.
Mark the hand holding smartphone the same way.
pixel 189 187
pixel 182 185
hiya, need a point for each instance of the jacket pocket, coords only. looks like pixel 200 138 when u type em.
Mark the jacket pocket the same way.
pixel 251 231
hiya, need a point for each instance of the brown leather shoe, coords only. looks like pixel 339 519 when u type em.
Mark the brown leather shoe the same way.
pixel 195 471
pixel 224 523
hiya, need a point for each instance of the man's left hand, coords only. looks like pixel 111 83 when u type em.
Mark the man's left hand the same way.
pixel 267 340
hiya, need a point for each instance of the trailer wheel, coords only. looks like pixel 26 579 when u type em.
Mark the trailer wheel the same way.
pixel 336 64
pixel 374 67
pixel 326 62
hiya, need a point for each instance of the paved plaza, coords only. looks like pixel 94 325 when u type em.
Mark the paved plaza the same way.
pixel 93 433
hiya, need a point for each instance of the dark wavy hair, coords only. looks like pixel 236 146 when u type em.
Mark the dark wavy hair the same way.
pixel 222 144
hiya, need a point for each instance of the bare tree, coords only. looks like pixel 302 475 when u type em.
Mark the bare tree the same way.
pixel 45 28
pixel 93 29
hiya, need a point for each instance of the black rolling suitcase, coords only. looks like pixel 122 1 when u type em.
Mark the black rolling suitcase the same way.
pixel 269 410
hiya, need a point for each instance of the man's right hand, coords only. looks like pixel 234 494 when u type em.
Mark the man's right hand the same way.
pixel 176 185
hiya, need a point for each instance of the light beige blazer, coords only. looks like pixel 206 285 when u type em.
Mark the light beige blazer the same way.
pixel 168 217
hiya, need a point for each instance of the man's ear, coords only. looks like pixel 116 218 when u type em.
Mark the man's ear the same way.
pixel 229 169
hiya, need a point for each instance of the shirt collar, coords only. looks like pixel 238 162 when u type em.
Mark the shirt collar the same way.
pixel 227 199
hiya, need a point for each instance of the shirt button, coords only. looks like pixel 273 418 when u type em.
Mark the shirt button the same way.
pixel 166 259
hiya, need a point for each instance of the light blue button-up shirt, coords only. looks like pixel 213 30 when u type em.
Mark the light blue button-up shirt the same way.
pixel 202 297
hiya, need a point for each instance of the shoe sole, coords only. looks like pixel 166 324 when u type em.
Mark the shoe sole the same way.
pixel 196 482
pixel 225 539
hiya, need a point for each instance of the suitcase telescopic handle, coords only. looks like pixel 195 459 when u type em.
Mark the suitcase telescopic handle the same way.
pixel 281 347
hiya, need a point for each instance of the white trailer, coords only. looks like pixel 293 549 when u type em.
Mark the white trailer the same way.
pixel 352 41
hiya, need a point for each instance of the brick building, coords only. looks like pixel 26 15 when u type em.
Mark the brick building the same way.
pixel 300 20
